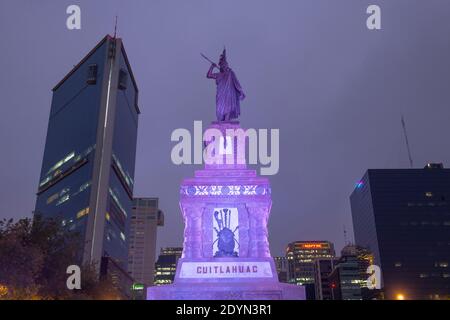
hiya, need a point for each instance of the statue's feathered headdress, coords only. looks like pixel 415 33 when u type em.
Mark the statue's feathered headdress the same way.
pixel 223 58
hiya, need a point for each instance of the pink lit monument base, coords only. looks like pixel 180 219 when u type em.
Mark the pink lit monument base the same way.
pixel 226 253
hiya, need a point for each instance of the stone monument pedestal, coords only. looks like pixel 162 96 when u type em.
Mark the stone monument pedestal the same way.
pixel 225 209
pixel 227 291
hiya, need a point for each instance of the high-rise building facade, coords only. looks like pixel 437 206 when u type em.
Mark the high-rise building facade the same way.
pixel 145 219
pixel 346 279
pixel 403 217
pixel 322 270
pixel 87 174
pixel 166 265
pixel 301 256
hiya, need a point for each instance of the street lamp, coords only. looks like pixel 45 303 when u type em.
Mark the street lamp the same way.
pixel 400 296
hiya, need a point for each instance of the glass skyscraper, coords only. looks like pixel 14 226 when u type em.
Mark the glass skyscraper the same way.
pixel 403 217
pixel 87 173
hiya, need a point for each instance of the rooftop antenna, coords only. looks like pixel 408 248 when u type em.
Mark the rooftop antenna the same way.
pixel 115 28
pixel 345 236
pixel 407 142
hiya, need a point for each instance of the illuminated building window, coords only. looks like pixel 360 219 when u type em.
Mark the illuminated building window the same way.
pixel 108 217
pixel 423 275
pixel 443 264
pixel 64 191
pixel 61 162
pixel 398 264
pixel 55 170
pixel 116 200
pixel 122 235
pixel 47 179
pixel 82 213
pixel 52 198
pixel 63 199
pixel 428 194
pixel 84 186
pixel 125 175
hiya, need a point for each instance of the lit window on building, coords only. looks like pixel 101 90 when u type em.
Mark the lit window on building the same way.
pixel 125 175
pixel 52 198
pixel 82 213
pixel 63 199
pixel 428 194
pixel 84 186
pixel 61 162
pixel 116 200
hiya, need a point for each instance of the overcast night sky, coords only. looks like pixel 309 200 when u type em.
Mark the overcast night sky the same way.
pixel 310 68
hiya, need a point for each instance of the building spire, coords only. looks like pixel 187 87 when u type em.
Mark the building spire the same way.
pixel 115 28
pixel 407 142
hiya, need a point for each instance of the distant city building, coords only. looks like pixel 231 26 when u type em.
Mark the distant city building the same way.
pixel 346 279
pixel 403 217
pixel 322 270
pixel 364 258
pixel 282 268
pixel 301 256
pixel 145 219
pixel 166 265
pixel 87 175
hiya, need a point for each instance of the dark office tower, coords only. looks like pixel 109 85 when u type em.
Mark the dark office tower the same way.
pixel 322 270
pixel 282 268
pixel 403 217
pixel 145 219
pixel 166 265
pixel 301 255
pixel 88 167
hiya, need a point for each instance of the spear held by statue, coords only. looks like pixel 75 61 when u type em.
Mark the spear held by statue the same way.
pixel 207 59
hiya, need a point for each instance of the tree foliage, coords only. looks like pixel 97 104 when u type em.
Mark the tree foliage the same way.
pixel 34 256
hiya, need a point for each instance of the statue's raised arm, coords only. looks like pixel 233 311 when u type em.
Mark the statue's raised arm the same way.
pixel 211 74
pixel 229 90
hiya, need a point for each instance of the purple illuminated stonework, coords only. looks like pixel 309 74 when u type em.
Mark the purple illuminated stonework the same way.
pixel 226 252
